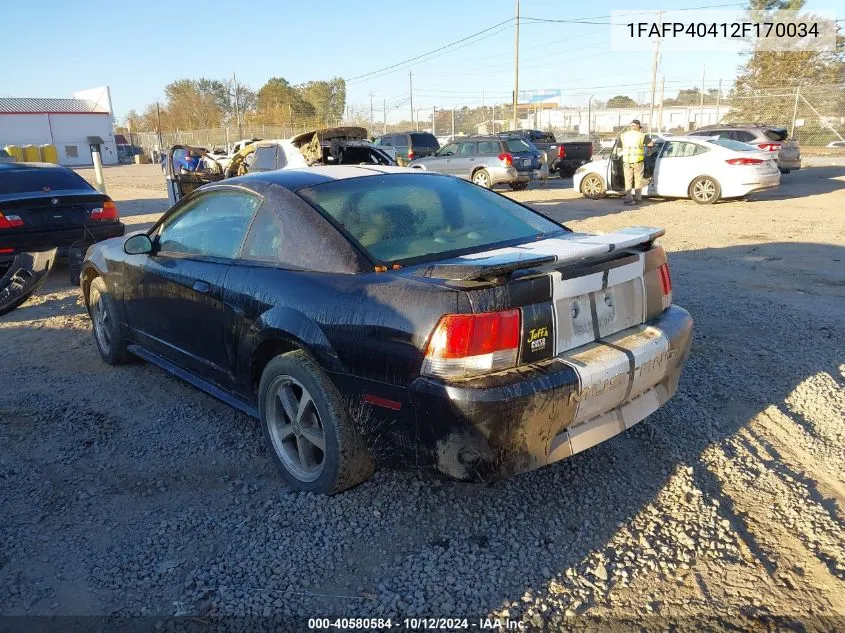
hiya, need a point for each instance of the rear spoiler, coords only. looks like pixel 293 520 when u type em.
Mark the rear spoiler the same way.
pixel 571 248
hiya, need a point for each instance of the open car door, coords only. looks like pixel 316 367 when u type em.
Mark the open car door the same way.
pixel 180 182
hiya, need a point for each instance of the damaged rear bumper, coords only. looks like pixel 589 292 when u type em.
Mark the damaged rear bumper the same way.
pixel 26 272
pixel 525 418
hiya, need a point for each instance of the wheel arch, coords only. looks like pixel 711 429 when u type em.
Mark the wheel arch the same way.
pixel 281 330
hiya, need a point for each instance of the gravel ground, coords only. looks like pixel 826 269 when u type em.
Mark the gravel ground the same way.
pixel 126 492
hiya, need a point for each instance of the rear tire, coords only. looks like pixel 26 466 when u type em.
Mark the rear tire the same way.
pixel 108 334
pixel 704 190
pixel 592 187
pixel 311 437
pixel 482 179
pixel 519 186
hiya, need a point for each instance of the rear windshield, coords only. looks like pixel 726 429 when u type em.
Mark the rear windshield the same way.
pixel 776 134
pixel 517 145
pixel 37 180
pixel 424 140
pixel 408 216
pixel 734 145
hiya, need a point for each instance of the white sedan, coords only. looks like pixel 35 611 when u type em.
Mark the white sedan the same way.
pixel 701 168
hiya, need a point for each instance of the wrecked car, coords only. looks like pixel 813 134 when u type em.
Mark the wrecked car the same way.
pixel 331 146
pixel 387 316
pixel 46 211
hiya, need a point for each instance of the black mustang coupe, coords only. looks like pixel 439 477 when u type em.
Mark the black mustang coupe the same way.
pixel 382 316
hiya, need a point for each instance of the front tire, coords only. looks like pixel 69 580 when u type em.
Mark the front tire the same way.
pixel 108 334
pixel 705 190
pixel 482 179
pixel 519 186
pixel 314 443
pixel 592 187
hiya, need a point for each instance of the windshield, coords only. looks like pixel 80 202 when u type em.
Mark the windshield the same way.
pixel 408 216
pixel 734 145
pixel 36 180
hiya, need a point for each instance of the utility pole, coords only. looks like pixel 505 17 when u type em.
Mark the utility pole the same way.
pixel 701 107
pixel 719 103
pixel 411 86
pixel 660 111
pixel 237 105
pixel 371 112
pixel 516 68
pixel 795 111
pixel 453 121
pixel 654 64
pixel 433 119
pixel 158 126
pixel 384 126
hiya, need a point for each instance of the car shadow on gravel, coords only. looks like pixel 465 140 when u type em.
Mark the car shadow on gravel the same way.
pixel 809 181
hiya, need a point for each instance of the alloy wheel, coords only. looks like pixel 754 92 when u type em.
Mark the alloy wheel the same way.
pixel 592 186
pixel 704 190
pixel 296 430
pixel 102 323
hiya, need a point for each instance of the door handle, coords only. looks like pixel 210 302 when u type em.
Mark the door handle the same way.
pixel 201 286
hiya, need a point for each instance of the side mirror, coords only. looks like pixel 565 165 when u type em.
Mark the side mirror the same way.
pixel 140 244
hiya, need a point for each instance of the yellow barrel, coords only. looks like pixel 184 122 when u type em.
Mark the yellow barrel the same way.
pixel 15 151
pixel 31 154
pixel 49 154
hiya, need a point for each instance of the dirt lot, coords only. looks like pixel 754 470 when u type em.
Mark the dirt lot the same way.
pixel 127 492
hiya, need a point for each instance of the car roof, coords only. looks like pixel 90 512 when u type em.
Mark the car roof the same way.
pixel 29 166
pixel 293 179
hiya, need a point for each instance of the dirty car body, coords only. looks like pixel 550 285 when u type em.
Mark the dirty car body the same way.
pixel 463 331
pixel 46 211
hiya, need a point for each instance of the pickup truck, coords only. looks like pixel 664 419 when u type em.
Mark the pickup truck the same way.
pixel 562 157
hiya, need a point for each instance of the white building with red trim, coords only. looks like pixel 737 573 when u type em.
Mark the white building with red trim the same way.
pixel 65 123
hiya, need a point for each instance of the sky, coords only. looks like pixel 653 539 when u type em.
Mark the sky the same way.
pixel 138 48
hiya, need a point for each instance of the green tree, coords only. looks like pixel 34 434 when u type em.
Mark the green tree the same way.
pixel 621 101
pixel 277 102
pixel 692 96
pixel 765 89
pixel 328 99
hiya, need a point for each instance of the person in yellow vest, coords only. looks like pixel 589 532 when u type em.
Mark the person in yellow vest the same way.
pixel 633 143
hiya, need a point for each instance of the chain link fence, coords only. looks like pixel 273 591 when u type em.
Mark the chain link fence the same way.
pixel 814 115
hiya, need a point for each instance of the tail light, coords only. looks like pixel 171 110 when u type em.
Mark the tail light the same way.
pixel 506 158
pixel 410 154
pixel 6 251
pixel 465 345
pixel 10 221
pixel 561 151
pixel 770 147
pixel 666 285
pixel 107 212
pixel 744 161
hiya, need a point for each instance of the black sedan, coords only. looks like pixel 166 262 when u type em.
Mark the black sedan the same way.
pixel 377 315
pixel 46 211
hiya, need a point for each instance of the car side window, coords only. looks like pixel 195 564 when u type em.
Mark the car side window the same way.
pixel 467 149
pixel 488 148
pixel 213 225
pixel 743 137
pixel 450 150
pixel 264 240
pixel 681 149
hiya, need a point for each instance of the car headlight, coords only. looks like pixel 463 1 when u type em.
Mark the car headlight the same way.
pixel 581 169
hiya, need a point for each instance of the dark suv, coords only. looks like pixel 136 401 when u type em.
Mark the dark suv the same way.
pixel 766 137
pixel 410 145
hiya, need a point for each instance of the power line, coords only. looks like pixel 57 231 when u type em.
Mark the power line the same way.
pixel 603 17
pixel 436 50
